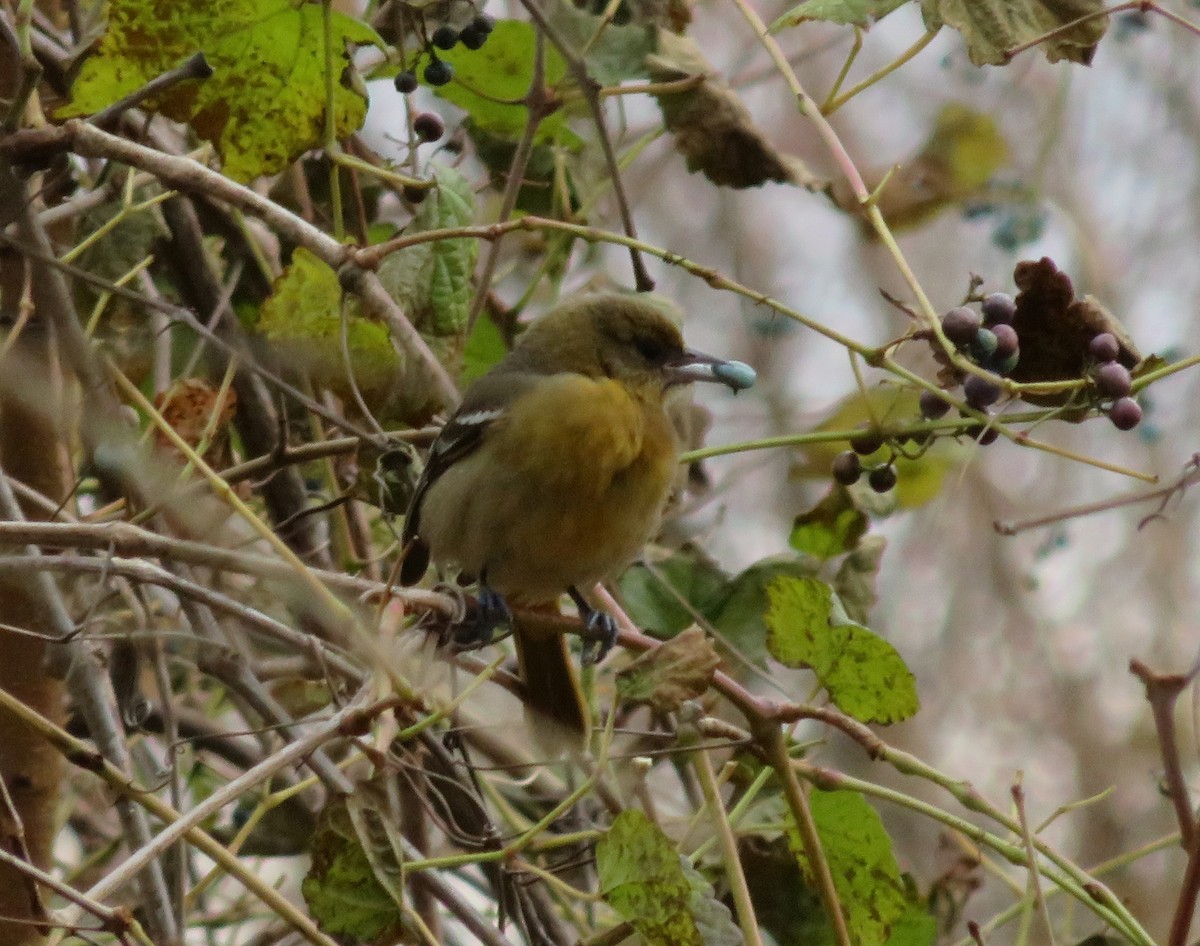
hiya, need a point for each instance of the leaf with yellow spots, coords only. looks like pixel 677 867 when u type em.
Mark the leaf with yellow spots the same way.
pixel 264 104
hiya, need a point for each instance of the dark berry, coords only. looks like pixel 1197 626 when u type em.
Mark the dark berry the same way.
pixel 1007 341
pixel 867 442
pixel 1004 366
pixel 1125 413
pixel 961 325
pixel 415 195
pixel 623 14
pixel 444 37
pixel 980 392
pixel 998 309
pixel 987 437
pixel 1113 380
pixel 983 346
pixel 472 38
pixel 1104 347
pixel 406 82
pixel 882 478
pixel 428 126
pixel 483 23
pixel 847 468
pixel 932 405
pixel 438 72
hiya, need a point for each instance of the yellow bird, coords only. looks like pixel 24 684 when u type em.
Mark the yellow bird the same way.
pixel 553 474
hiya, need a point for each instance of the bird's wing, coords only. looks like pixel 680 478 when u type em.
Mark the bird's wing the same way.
pixel 486 403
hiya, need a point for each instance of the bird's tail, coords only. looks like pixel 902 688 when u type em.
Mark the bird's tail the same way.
pixel 554 704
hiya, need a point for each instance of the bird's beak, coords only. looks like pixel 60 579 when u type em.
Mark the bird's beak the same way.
pixel 697 366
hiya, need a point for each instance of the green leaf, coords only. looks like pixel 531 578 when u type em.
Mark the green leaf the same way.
pixel 861 671
pixel 265 102
pixel 740 616
pixel 484 349
pixel 642 879
pixel 502 71
pixel 546 178
pixel 855 579
pixel 342 888
pixel 833 526
pixel 993 27
pixel 845 12
pixel 302 319
pixel 664 596
pixel 915 928
pixel 859 853
pixel 432 281
pixel 617 55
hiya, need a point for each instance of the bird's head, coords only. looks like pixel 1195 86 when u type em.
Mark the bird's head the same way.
pixel 634 339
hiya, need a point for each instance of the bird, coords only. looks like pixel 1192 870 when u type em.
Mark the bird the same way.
pixel 553 474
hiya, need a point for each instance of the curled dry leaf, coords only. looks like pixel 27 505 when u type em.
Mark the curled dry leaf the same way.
pixel 681 669
pixel 962 153
pixel 1055 329
pixel 712 128
pixel 193 408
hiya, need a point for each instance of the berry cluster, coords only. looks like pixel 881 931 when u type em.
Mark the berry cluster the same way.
pixel 1113 381
pixel 848 466
pixel 438 72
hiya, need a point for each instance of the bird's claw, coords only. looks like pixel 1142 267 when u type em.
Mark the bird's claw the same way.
pixel 599 636
pixel 479 628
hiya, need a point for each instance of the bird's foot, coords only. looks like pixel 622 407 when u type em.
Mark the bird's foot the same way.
pixel 599 636
pixel 479 628
pixel 599 630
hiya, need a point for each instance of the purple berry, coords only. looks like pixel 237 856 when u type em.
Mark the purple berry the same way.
pixel 932 405
pixel 483 23
pixel 438 72
pixel 1125 413
pixel 444 37
pixel 961 325
pixel 980 392
pixel 428 126
pixel 1104 347
pixel 1007 341
pixel 1113 379
pixel 882 478
pixel 472 38
pixel 847 468
pixel 867 442
pixel 998 309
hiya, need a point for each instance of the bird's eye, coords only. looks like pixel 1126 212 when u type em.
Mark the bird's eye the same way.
pixel 651 349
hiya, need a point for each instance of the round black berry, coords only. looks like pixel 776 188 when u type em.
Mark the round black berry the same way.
pixel 867 442
pixel 1104 347
pixel 984 346
pixel 1113 379
pixel 444 37
pixel 988 436
pixel 406 82
pixel 980 392
pixel 882 479
pixel 438 72
pixel 483 23
pixel 1125 413
pixel 998 309
pixel 932 405
pixel 847 468
pixel 472 38
pixel 961 324
pixel 428 126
